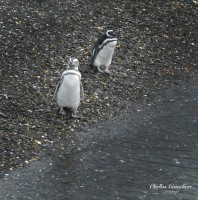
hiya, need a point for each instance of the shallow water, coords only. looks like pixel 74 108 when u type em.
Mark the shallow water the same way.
pixel 142 154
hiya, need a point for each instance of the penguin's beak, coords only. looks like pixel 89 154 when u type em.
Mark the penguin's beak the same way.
pixel 115 34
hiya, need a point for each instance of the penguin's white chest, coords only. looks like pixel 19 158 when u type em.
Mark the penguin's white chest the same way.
pixel 104 56
pixel 68 94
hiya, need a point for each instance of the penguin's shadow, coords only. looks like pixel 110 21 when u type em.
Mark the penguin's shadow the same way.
pixel 92 68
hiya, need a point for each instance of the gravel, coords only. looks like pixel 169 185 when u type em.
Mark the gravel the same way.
pixel 157 49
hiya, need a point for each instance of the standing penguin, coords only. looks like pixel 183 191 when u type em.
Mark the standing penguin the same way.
pixel 103 50
pixel 70 90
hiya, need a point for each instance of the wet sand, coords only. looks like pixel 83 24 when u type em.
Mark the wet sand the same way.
pixel 147 153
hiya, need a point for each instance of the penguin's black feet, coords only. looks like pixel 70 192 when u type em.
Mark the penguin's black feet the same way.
pixel 61 111
pixel 98 68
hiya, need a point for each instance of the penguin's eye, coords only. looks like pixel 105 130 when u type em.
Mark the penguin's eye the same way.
pixel 111 34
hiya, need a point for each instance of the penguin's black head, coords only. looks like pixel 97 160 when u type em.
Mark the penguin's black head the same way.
pixel 111 34
pixel 73 63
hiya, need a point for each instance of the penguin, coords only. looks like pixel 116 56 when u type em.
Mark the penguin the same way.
pixel 70 91
pixel 103 50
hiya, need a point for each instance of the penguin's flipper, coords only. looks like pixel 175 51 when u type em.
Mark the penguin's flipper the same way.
pixel 91 62
pixel 81 92
pixel 59 84
pixel 57 88
pixel 92 58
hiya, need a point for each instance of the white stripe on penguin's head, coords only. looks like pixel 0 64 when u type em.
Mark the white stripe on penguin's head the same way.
pixel 110 33
pixel 74 60
pixel 73 63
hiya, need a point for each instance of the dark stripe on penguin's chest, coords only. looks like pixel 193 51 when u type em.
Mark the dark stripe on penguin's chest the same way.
pixel 71 73
pixel 99 49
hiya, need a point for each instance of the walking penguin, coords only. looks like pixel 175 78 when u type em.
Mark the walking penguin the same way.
pixel 103 50
pixel 69 91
